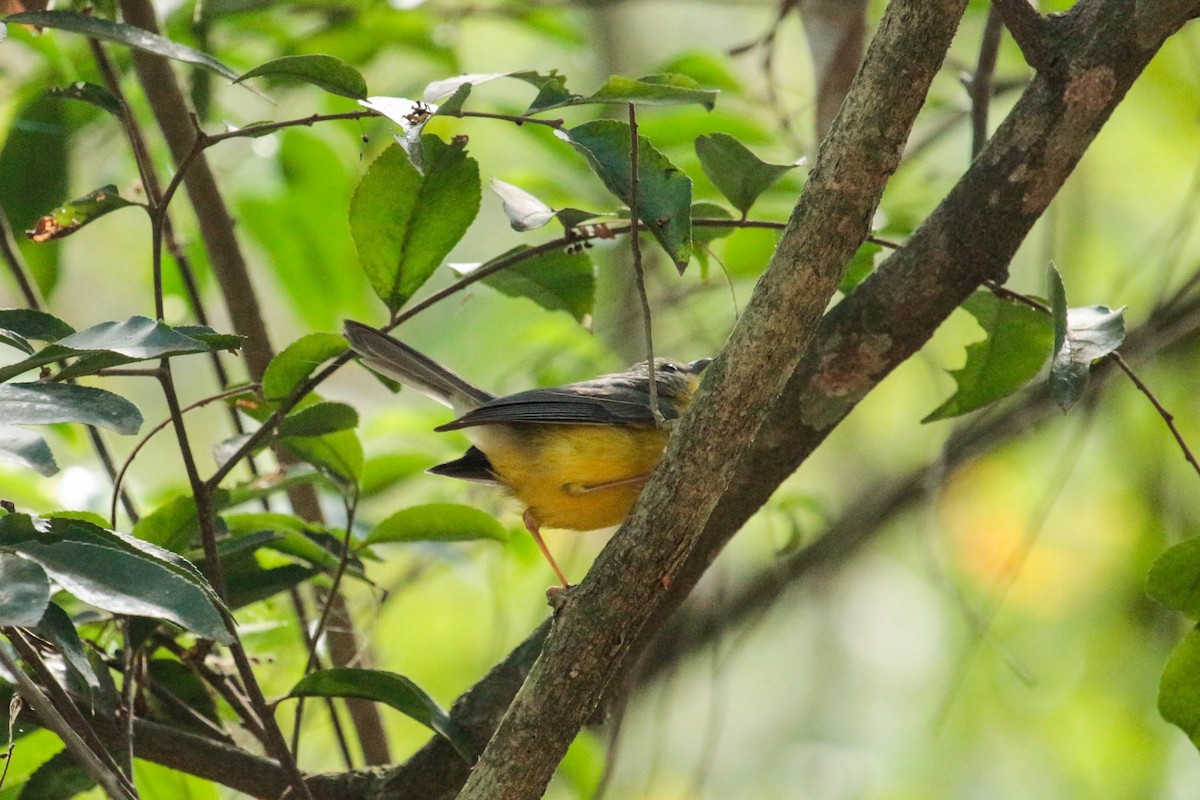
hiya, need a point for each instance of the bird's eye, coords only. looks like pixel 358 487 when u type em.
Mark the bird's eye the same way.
pixel 668 366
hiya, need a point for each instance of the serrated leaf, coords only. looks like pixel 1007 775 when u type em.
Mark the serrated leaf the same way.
pixel 1179 689
pixel 1081 336
pixel 1011 354
pixel 524 211
pixel 325 71
pixel 736 172
pixel 24 591
pixel 318 420
pixel 1174 580
pixel 46 403
pixel 117 573
pixel 99 28
pixel 438 522
pixel 292 367
pixel 294 537
pixel 34 324
pixel 664 191
pixel 70 217
pixel 556 281
pixel 391 689
pixel 405 223
pixel 88 93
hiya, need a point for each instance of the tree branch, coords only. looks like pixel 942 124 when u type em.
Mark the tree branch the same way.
pixel 1031 31
pixel 598 621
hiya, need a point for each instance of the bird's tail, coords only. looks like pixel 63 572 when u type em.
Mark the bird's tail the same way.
pixel 400 362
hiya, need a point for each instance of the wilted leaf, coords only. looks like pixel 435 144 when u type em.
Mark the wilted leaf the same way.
pixel 736 172
pixel 438 522
pixel 1081 336
pixel 1010 355
pixel 404 223
pixel 391 689
pixel 327 72
pixel 72 216
pixel 524 211
pixel 664 191
pixel 410 116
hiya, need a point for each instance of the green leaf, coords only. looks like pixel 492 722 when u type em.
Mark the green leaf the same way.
pixel 1174 580
pixel 117 573
pixel 862 265
pixel 34 324
pixel 172 526
pixel 15 340
pixel 212 339
pixel 666 89
pixel 318 420
pixel 293 537
pixel 438 522
pixel 405 223
pixel 70 217
pixel 1010 355
pixel 45 403
pixel 58 778
pixel 88 93
pixel 96 27
pixel 524 211
pixel 24 591
pixel 56 627
pixel 327 72
pixel 1081 336
pixel 556 281
pixel 300 359
pixel 664 192
pixel 704 235
pixel 391 689
pixel 338 456
pixel 736 172
pixel 1179 690
pixel 19 446
pixel 112 344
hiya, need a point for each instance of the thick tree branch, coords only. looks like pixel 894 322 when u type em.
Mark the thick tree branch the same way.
pixel 598 621
pixel 1031 31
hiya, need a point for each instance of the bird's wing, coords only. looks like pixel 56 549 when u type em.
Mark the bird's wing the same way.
pixel 597 402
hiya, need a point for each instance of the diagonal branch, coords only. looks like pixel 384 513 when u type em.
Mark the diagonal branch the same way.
pixel 597 622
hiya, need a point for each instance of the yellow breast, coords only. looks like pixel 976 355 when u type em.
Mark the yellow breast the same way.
pixel 577 477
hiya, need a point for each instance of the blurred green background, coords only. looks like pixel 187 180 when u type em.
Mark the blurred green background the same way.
pixel 990 640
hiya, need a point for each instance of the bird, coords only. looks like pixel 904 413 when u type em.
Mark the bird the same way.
pixel 576 456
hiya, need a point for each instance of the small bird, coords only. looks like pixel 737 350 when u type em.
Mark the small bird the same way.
pixel 577 456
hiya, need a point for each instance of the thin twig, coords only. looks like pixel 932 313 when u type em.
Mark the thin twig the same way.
pixel 980 84
pixel 639 272
pixel 1167 416
pixel 149 434
pixel 53 707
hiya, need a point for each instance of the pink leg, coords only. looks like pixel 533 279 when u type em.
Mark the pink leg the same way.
pixel 533 526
